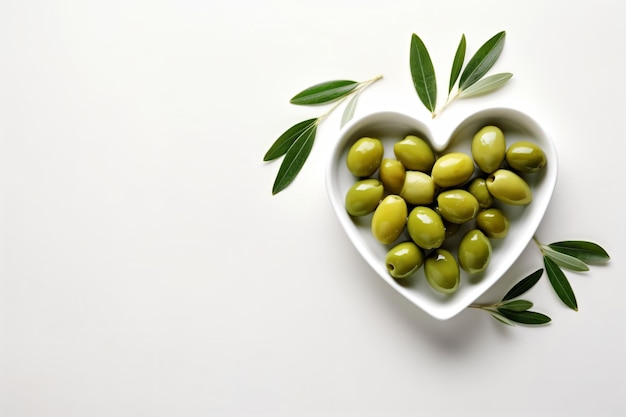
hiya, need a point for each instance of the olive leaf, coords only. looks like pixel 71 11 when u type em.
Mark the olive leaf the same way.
pixel 559 282
pixel 501 318
pixel 325 92
pixel 588 252
pixel 486 85
pixel 457 63
pixel 348 111
pixel 514 312
pixel 423 73
pixel 524 285
pixel 482 60
pixel 564 260
pixel 516 305
pixel 294 159
pixel 525 317
pixel 284 141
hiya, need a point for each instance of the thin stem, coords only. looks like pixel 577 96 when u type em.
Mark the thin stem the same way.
pixel 539 244
pixel 361 86
pixel 485 307
pixel 449 100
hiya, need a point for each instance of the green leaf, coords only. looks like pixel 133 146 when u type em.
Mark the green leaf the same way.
pixel 348 112
pixel 525 317
pixel 284 141
pixel 501 318
pixel 516 305
pixel 486 85
pixel 423 73
pixel 524 285
pixel 324 92
pixel 457 64
pixel 564 260
pixel 587 252
pixel 294 159
pixel 482 60
pixel 559 282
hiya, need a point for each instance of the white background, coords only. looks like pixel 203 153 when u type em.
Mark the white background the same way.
pixel 146 269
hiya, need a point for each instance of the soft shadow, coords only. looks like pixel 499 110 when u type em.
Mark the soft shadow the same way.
pixel 455 336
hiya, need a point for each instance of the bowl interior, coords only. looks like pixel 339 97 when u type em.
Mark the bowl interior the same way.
pixel 391 127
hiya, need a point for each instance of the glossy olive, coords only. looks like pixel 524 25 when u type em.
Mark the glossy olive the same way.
pixel 418 188
pixel 478 188
pixel 391 174
pixel 363 197
pixel 442 271
pixel 524 156
pixel 457 206
pixel 404 259
pixel 453 169
pixel 389 219
pixel 414 153
pixel 489 148
pixel 474 252
pixel 493 223
pixel 426 227
pixel 364 156
pixel 506 186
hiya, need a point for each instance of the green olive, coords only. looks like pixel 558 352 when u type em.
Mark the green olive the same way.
pixel 389 219
pixel 442 271
pixel 363 197
pixel 404 259
pixel 426 227
pixel 392 175
pixel 365 156
pixel 453 169
pixel 524 156
pixel 493 223
pixel 506 186
pixel 489 148
pixel 418 188
pixel 478 188
pixel 474 252
pixel 457 206
pixel 414 153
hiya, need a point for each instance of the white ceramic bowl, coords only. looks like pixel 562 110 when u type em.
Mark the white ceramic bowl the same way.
pixel 524 220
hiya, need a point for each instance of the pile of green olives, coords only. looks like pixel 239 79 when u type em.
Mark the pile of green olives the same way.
pixel 419 200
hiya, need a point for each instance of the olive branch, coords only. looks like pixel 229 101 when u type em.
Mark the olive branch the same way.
pixel 295 143
pixel 571 255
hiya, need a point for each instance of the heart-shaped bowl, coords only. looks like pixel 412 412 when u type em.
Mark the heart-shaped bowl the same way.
pixel 391 127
